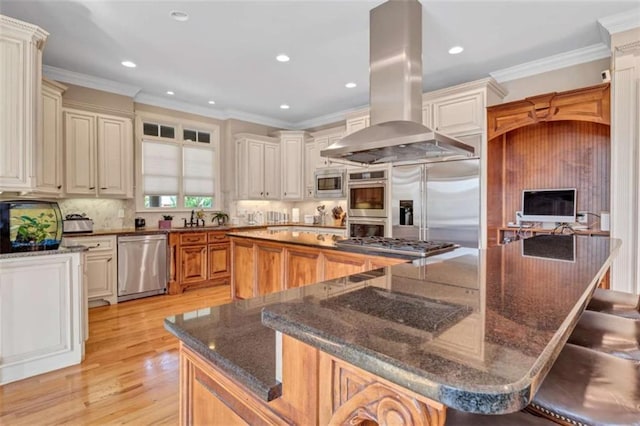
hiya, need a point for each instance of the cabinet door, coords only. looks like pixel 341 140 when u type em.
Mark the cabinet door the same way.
pixel 193 264
pixel 475 140
pixel 340 264
pixel 219 262
pixel 427 116
pixel 242 269
pixel 101 278
pixel 20 73
pixel 271 171
pixel 80 149
pixel 324 161
pixel 459 114
pixel 255 169
pixel 310 155
pixel 357 123
pixel 49 143
pixel 115 146
pixel 269 268
pixel 302 267
pixel 292 173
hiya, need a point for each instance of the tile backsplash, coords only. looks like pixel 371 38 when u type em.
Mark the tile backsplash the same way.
pixel 104 212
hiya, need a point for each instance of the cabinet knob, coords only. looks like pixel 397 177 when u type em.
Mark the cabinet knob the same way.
pixel 59 186
pixel 262 193
pixel 285 194
pixel 267 193
pixel 104 187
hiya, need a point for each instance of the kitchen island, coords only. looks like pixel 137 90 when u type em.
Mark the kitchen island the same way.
pixel 475 330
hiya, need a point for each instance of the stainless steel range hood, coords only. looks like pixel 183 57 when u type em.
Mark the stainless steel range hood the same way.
pixel 395 91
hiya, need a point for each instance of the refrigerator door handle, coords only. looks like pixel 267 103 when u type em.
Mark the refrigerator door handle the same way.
pixel 424 231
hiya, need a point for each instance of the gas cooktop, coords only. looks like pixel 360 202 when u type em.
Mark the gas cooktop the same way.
pixel 397 245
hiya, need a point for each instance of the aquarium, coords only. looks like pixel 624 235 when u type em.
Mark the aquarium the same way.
pixel 29 225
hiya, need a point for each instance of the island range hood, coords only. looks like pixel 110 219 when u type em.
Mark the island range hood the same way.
pixel 395 94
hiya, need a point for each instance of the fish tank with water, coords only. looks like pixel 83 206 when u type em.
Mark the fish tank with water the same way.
pixel 29 225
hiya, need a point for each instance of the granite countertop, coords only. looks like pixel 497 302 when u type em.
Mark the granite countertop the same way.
pixel 474 329
pixel 61 250
pixel 291 237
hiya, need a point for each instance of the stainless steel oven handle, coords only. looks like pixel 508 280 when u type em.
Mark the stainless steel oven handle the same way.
pixel 368 220
pixel 367 183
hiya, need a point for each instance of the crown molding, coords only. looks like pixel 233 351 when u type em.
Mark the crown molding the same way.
pixel 551 63
pixel 621 22
pixel 158 101
pixel 333 118
pixel 90 81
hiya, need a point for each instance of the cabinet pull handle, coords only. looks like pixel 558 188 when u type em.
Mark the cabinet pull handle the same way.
pixel 103 187
pixel 262 193
pixel 96 246
pixel 267 193
pixel 92 187
pixel 59 186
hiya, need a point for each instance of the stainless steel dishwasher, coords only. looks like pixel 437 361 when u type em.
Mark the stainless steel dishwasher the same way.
pixel 142 266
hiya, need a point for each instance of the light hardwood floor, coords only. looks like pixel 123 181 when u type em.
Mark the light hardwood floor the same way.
pixel 129 375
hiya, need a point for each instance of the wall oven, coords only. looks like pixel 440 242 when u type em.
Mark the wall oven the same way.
pixel 367 227
pixel 329 183
pixel 368 192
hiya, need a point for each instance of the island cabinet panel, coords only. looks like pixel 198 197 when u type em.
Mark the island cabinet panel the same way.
pixel 209 397
pixel 242 269
pixel 270 260
pixel 380 262
pixel 219 261
pixel 350 396
pixel 340 264
pixel 303 266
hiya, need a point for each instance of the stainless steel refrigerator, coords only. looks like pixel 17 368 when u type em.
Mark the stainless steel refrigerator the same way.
pixel 437 201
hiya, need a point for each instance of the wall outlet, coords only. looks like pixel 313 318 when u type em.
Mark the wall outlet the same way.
pixel 581 217
pixel 121 213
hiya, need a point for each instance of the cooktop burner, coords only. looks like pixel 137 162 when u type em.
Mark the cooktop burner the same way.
pixel 398 245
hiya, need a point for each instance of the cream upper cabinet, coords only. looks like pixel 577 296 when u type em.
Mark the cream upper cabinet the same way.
pixel 310 155
pixel 357 121
pixel 458 114
pixel 292 146
pixel 49 151
pixel 313 160
pixel 99 151
pixel 257 167
pixel 21 47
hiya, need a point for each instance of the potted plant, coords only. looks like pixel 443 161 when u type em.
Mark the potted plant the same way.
pixel 165 222
pixel 220 217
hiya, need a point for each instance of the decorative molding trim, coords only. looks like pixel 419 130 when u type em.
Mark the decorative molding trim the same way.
pixel 90 81
pixel 551 63
pixel 158 101
pixel 621 22
pixel 333 118
pixel 484 83
pixel 100 109
pixel 38 35
pixel 629 47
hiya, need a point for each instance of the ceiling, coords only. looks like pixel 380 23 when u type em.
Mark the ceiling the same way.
pixel 226 50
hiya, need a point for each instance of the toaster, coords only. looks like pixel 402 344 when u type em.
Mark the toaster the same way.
pixel 77 223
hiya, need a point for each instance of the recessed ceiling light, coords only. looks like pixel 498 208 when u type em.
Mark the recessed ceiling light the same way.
pixel 282 58
pixel 212 102
pixel 455 50
pixel 179 15
pixel 128 64
pixel 284 106
pixel 169 92
pixel 350 85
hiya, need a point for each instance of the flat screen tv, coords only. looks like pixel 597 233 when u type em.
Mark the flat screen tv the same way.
pixel 549 205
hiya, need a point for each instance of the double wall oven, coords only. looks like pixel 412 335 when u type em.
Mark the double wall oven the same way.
pixel 367 201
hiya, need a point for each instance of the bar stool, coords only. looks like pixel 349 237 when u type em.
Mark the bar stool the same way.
pixel 616 303
pixel 608 333
pixel 586 387
pixel 520 418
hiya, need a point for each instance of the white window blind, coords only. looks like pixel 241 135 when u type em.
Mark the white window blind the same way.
pixel 198 171
pixel 160 168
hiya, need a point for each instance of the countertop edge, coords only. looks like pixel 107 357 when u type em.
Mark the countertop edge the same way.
pixel 261 390
pixel 36 253
pixel 492 400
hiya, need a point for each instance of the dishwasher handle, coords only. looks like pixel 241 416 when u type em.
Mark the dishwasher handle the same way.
pixel 139 238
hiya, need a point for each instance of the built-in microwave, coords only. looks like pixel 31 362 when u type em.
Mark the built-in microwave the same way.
pixel 329 183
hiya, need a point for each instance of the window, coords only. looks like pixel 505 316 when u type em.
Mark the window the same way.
pixel 177 174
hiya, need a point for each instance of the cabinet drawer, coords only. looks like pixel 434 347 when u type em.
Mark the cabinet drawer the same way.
pixel 193 238
pixel 93 243
pixel 218 237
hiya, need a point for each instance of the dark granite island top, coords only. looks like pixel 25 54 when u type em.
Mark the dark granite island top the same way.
pixel 476 330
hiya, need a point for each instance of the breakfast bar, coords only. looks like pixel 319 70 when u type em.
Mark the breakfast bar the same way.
pixel 473 330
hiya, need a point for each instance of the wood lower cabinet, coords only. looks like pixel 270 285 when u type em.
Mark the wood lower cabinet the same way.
pixel 302 267
pixel 340 264
pixel 270 262
pixel 198 259
pixel 260 268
